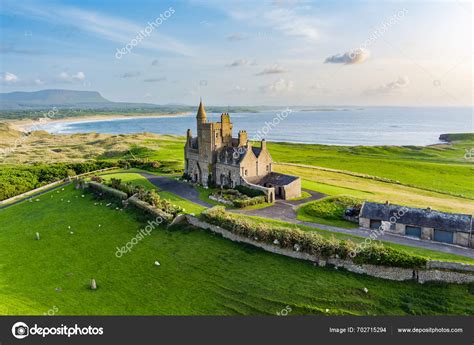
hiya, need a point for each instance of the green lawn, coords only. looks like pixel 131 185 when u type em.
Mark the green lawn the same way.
pixel 438 167
pixel 329 211
pixel 137 179
pixel 200 274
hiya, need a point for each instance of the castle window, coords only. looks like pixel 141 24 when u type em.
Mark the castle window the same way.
pixel 267 167
pixel 246 172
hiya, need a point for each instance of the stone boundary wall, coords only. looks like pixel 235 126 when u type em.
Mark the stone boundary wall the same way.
pixel 106 189
pixel 436 270
pixel 155 212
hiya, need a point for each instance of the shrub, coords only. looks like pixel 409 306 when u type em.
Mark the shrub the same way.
pixel 97 179
pixel 101 188
pixel 115 183
pixel 240 203
pixel 18 179
pixel 249 191
pixel 310 242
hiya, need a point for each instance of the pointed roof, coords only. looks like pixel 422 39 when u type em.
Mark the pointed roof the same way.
pixel 201 114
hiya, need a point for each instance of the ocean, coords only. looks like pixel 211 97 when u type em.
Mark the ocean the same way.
pixel 329 126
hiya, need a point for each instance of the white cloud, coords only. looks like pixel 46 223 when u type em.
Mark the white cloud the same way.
pixel 289 21
pixel 130 75
pixel 115 29
pixel 239 89
pixel 390 88
pixel 8 77
pixel 349 58
pixel 236 36
pixel 275 69
pixel 281 85
pixel 238 63
pixel 71 78
pixel 154 80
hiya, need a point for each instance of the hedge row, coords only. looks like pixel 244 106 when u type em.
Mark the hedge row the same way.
pixel 310 242
pixel 249 191
pixel 240 203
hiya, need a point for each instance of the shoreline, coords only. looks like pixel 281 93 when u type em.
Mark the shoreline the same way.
pixel 25 125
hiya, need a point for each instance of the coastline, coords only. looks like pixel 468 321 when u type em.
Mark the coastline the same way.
pixel 25 125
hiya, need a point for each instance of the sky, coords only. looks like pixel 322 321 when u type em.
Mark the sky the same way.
pixel 271 52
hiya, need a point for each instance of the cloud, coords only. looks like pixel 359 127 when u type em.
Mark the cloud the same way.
pixel 130 75
pixel 349 58
pixel 391 87
pixel 154 80
pixel 238 63
pixel 110 28
pixel 38 81
pixel 65 77
pixel 155 62
pixel 292 22
pixel 281 85
pixel 275 69
pixel 239 89
pixel 9 78
pixel 236 36
pixel 11 49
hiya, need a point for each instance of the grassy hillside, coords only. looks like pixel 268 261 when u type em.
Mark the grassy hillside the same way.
pixel 200 274
pixel 438 167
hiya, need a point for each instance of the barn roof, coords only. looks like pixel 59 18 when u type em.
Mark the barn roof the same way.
pixel 422 217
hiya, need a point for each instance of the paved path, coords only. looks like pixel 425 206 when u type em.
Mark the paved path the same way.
pixel 282 209
pixel 179 188
pixel 286 211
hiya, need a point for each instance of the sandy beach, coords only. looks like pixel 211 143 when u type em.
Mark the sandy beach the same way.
pixel 27 124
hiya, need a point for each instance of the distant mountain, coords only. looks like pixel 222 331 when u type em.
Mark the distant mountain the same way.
pixel 61 98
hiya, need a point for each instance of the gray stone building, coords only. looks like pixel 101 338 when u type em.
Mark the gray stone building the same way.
pixel 425 224
pixel 215 157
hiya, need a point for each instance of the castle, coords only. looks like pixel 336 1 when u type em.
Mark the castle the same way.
pixel 214 157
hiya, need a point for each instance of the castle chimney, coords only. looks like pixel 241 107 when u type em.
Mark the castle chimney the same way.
pixel 243 138
pixel 264 144
pixel 428 209
pixel 387 203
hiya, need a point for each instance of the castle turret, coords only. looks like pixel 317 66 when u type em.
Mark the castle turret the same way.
pixel 201 114
pixel 243 138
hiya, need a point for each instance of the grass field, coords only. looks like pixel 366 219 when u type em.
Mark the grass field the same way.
pixel 137 179
pixel 433 176
pixel 373 190
pixel 200 274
